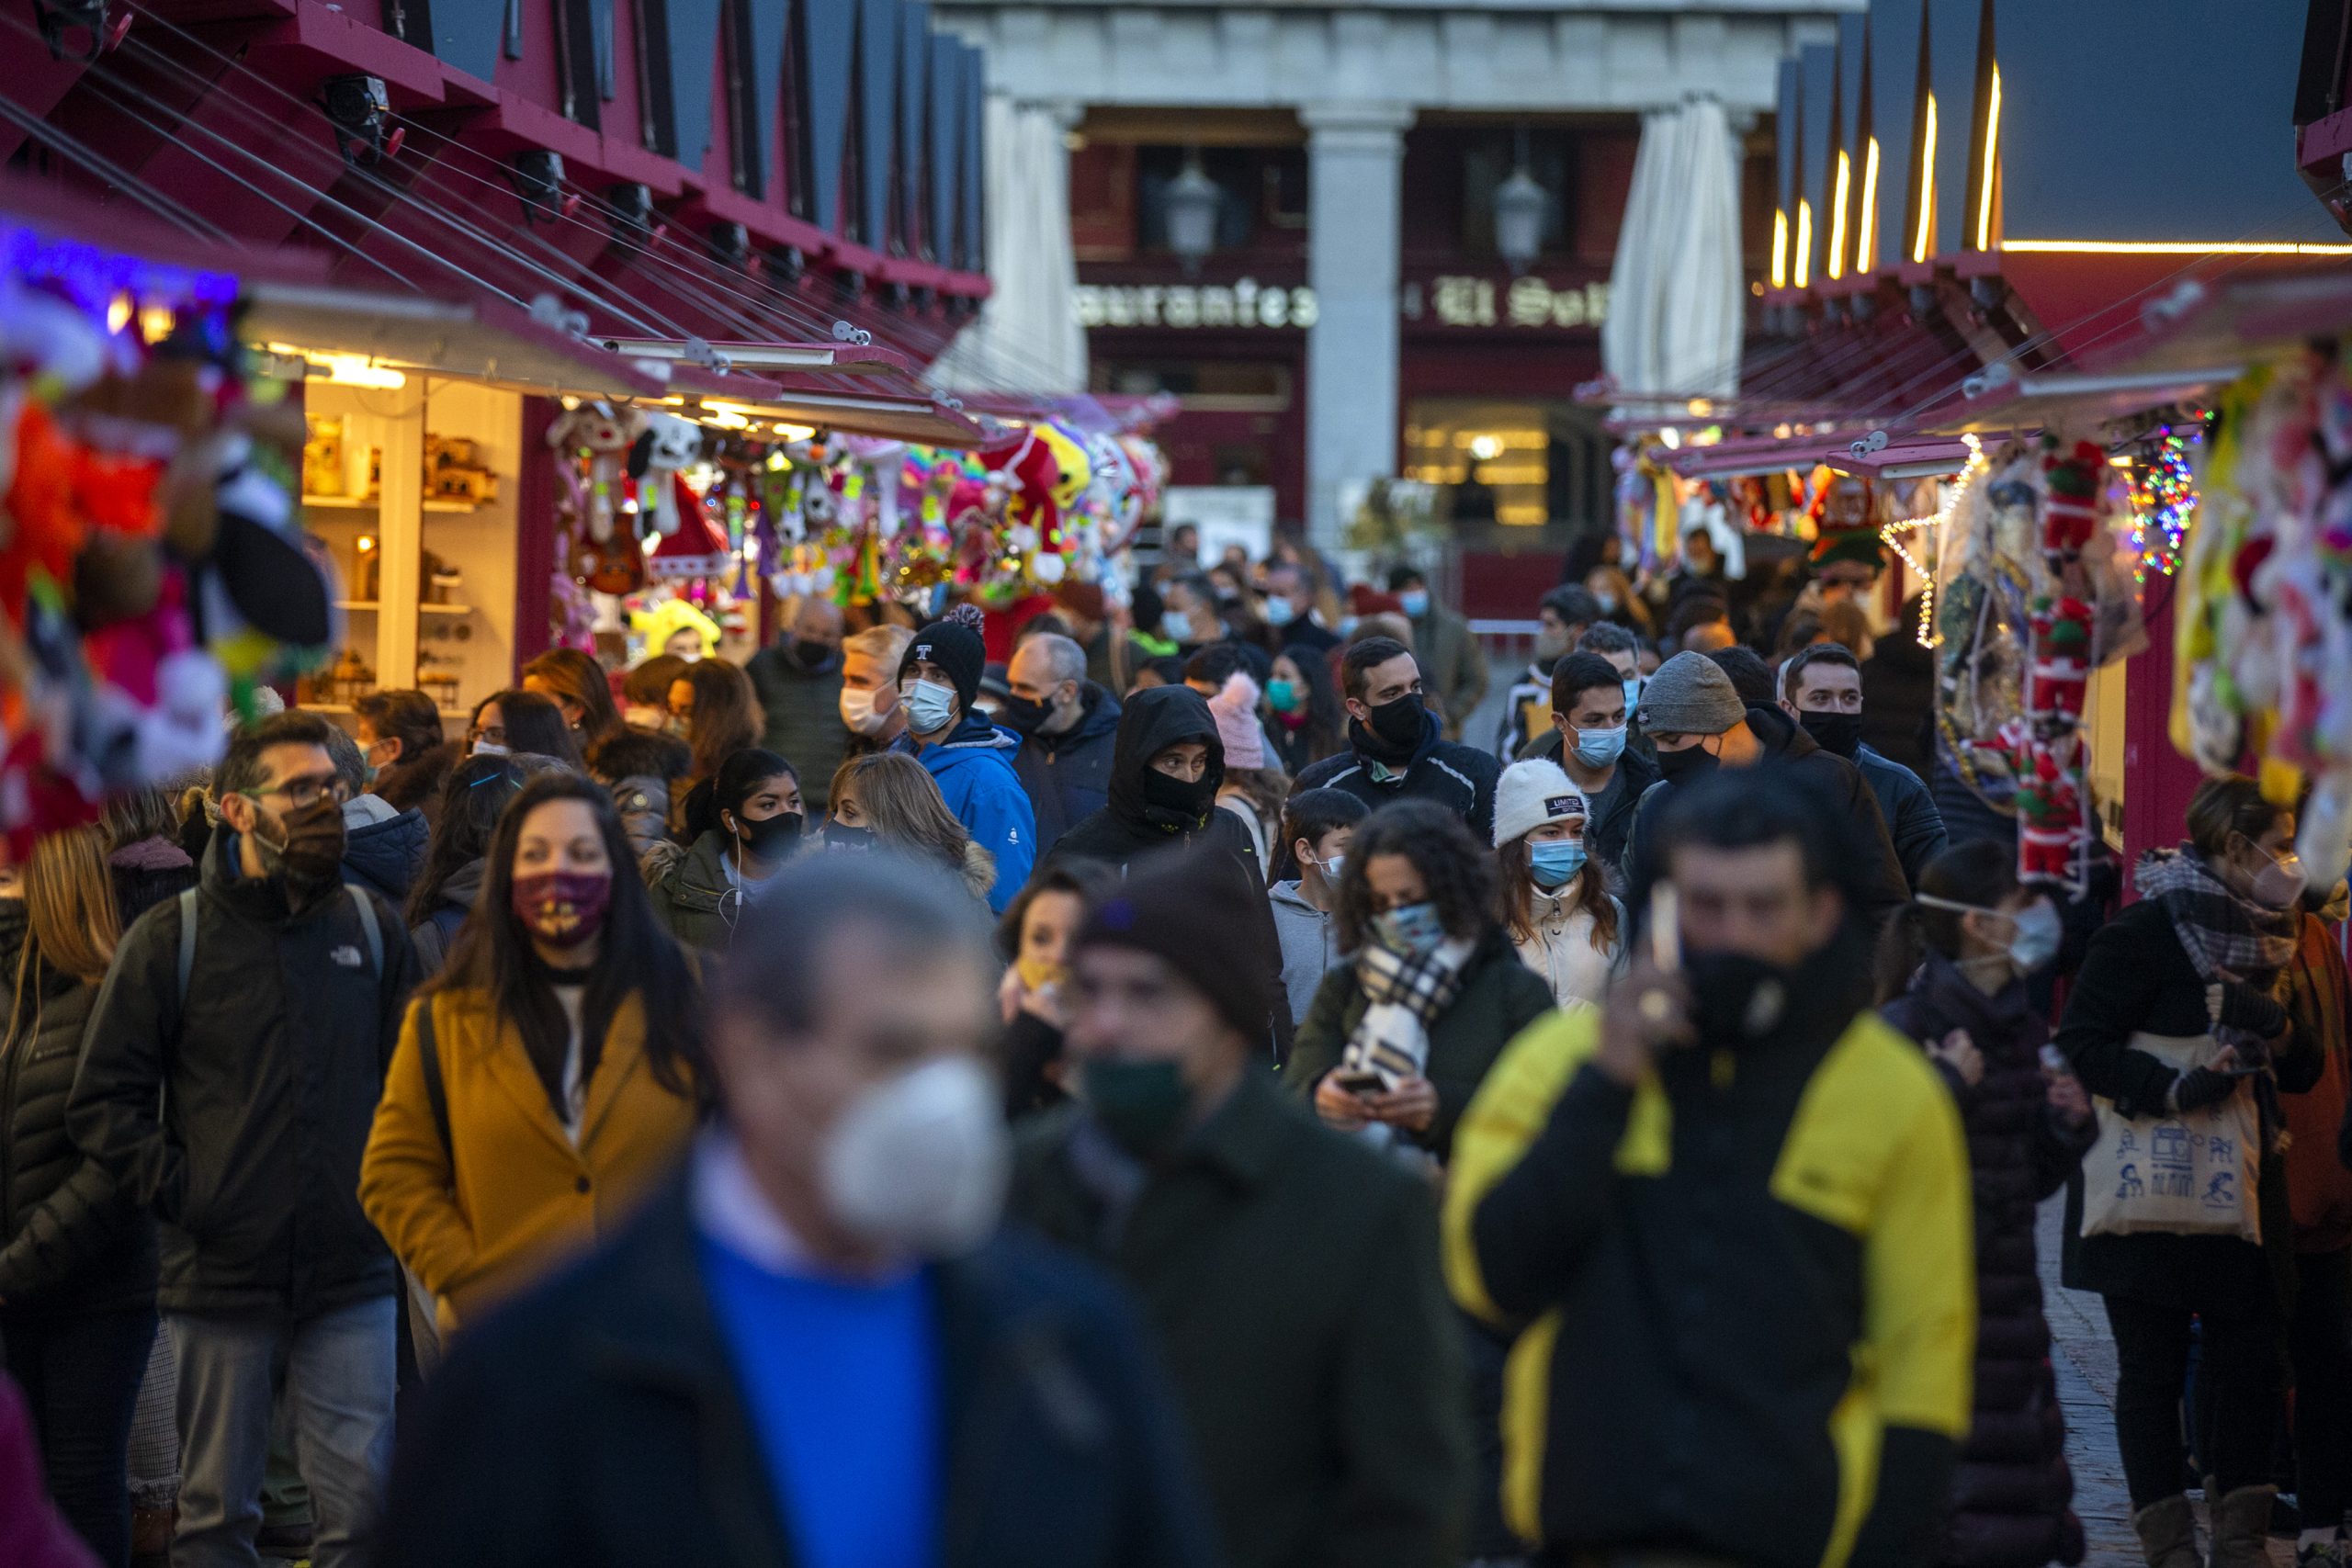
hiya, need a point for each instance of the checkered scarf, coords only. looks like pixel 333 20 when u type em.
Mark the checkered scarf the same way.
pixel 2228 938
pixel 1407 993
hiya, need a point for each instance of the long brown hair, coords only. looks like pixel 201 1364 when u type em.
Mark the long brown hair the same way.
pixel 71 911
pixel 727 716
pixel 581 680
pixel 1516 878
pixel 900 801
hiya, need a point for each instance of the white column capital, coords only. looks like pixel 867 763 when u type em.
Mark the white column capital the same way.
pixel 1356 126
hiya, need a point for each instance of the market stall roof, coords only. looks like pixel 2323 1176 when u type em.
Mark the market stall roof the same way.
pixel 789 401
pixel 848 358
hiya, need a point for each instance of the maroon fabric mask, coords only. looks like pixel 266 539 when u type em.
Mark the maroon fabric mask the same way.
pixel 562 909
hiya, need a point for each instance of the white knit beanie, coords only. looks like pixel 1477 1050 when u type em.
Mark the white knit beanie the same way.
pixel 1530 794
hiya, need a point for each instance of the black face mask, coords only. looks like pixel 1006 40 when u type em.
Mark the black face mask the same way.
pixel 841 836
pixel 771 838
pixel 1173 805
pixel 1394 731
pixel 1691 762
pixel 812 654
pixel 1735 998
pixel 1839 732
pixel 1024 715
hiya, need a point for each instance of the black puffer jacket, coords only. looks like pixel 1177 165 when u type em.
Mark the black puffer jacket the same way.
pixel 2012 1491
pixel 266 1074
pixel 70 1240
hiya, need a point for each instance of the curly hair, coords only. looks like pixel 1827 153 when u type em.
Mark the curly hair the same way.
pixel 1459 876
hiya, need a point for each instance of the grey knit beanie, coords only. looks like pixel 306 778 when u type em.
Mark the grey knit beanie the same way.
pixel 1690 695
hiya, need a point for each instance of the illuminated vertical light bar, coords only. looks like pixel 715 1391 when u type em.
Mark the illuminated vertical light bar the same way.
pixel 1837 217
pixel 1804 241
pixel 1992 156
pixel 1866 229
pixel 1926 185
pixel 1779 248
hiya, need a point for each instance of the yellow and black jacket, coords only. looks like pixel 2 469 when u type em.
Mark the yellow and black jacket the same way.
pixel 1747 1289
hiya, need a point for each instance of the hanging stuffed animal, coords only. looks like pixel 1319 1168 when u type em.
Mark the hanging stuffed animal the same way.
pixel 598 437
pixel 2052 838
pixel 2062 660
pixel 2071 482
pixel 666 444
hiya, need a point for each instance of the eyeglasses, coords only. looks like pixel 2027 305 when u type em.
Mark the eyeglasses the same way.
pixel 494 733
pixel 303 793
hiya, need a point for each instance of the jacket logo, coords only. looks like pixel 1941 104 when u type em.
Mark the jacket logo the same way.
pixel 1560 806
pixel 346 955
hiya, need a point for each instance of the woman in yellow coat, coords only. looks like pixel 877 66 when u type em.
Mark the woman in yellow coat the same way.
pixel 548 1075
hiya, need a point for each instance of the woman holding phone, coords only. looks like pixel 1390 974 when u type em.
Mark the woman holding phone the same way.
pixel 1400 1037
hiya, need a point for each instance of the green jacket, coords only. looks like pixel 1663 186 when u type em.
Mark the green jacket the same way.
pixel 1499 996
pixel 692 895
pixel 1453 663
pixel 1291 1276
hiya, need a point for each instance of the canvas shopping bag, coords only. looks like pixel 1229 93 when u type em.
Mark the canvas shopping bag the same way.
pixel 2188 1175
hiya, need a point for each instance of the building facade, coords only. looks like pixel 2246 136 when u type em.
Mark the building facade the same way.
pixel 1411 213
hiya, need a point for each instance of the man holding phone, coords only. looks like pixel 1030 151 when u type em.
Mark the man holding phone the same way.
pixel 1731 1210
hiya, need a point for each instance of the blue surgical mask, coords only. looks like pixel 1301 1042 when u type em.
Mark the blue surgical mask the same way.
pixel 1633 692
pixel 1555 863
pixel 1416 602
pixel 2038 933
pixel 1330 868
pixel 1415 928
pixel 931 706
pixel 1599 747
pixel 1278 613
pixel 1175 626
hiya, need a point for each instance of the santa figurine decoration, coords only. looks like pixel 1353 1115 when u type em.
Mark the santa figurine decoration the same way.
pixel 698 549
pixel 2061 658
pixel 2071 482
pixel 2051 839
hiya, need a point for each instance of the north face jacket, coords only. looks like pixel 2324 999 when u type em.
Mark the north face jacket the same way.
pixel 237 1111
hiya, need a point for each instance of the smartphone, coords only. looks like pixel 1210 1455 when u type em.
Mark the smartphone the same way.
pixel 1361 1083
pixel 1665 927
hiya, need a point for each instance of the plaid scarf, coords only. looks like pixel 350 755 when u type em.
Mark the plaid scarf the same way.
pixel 1407 993
pixel 2228 938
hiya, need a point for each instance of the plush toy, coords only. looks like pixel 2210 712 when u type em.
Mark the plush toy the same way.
pixel 2062 660
pixel 600 438
pixel 697 547
pixel 2051 836
pixel 2070 500
pixel 666 444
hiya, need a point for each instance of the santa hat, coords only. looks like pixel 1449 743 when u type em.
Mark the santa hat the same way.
pixel 1236 710
pixel 1531 793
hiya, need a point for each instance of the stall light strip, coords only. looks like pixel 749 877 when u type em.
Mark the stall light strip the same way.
pixel 1927 187
pixel 2172 248
pixel 1866 244
pixel 1837 218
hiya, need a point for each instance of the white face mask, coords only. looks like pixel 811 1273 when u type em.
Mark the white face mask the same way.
pixel 931 707
pixel 917 1164
pixel 858 711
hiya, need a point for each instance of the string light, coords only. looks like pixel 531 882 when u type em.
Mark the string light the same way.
pixel 1892 536
pixel 2163 491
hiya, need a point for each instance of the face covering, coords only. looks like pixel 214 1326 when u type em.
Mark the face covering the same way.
pixel 1278 613
pixel 312 853
pixel 1550 645
pixel 1416 602
pixel 771 838
pixel 1174 805
pixel 1692 762
pixel 1176 626
pixel 931 707
pixel 841 836
pixel 562 909
pixel 917 1164
pixel 1599 747
pixel 1554 864
pixel 1633 692
pixel 1330 868
pixel 858 711
pixel 1040 973
pixel 2279 884
pixel 1839 732
pixel 1024 715
pixel 1415 928
pixel 1397 724
pixel 1281 696
pixel 2035 931
pixel 1735 997
pixel 1607 603
pixel 1142 1105
pixel 493 749
pixel 812 654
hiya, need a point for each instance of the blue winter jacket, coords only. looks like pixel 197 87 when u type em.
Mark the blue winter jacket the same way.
pixel 973 768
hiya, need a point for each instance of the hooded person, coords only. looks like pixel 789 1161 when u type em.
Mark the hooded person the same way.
pixel 967 756
pixel 1166 768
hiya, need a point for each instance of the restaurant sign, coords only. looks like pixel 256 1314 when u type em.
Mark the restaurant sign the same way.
pixel 1505 304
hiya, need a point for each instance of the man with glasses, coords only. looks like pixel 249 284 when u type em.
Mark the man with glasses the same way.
pixel 235 1058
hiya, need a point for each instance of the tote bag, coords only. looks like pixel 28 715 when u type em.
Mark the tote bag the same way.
pixel 2188 1175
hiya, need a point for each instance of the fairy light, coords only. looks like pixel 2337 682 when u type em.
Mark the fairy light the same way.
pixel 2164 493
pixel 1892 536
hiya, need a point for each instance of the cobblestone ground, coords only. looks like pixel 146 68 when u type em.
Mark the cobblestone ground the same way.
pixel 2083 1358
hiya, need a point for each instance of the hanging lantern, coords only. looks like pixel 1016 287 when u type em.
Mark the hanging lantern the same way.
pixel 1192 202
pixel 1520 208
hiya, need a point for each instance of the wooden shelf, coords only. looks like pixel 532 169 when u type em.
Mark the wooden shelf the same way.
pixel 347 503
pixel 427 609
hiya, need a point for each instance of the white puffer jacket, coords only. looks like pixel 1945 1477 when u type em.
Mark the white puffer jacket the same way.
pixel 1561 949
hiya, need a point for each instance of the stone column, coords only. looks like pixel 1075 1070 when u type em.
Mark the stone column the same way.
pixel 1354 153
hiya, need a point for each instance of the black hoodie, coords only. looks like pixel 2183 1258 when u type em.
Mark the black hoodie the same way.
pixel 1122 832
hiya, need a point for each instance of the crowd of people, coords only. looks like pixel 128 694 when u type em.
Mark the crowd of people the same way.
pixel 1148 1085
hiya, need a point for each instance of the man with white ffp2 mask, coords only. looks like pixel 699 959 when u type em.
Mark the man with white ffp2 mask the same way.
pixel 816 1333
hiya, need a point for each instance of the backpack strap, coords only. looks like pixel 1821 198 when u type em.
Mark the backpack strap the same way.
pixel 367 908
pixel 187 939
pixel 436 1093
